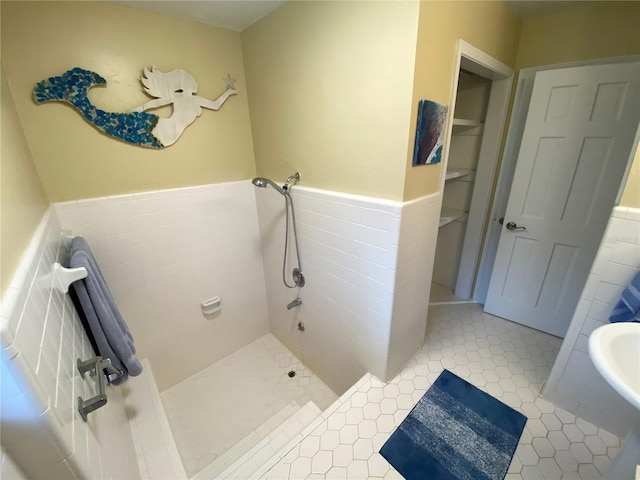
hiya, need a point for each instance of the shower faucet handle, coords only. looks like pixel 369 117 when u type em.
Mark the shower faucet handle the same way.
pixel 298 277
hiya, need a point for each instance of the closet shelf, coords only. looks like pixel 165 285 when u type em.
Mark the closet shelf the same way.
pixel 448 215
pixel 463 122
pixel 457 173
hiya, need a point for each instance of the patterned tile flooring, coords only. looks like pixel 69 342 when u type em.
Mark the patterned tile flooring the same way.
pixel 507 360
pixel 214 409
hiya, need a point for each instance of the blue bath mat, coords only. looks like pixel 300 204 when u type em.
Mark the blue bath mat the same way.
pixel 455 431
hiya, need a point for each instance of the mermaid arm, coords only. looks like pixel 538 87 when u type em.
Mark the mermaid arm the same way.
pixel 216 104
pixel 155 103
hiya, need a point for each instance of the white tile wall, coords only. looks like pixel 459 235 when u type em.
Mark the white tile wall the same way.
pixel 155 447
pixel 8 469
pixel 41 339
pixel 349 248
pixel 416 255
pixel 163 253
pixel 574 383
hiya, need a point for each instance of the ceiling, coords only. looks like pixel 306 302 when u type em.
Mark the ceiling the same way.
pixel 538 8
pixel 233 15
pixel 238 15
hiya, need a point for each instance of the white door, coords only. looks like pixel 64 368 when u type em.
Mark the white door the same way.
pixel 578 137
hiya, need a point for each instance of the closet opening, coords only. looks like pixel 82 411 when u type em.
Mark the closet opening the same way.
pixel 479 104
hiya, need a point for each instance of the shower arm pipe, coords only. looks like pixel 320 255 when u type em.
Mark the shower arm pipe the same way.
pixel 295 176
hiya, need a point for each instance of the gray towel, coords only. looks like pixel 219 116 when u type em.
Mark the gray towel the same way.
pixel 112 336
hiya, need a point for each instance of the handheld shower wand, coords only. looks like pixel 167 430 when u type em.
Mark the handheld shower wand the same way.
pixel 298 276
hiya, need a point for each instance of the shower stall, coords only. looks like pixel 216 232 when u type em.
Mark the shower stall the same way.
pixel 264 353
pixel 224 379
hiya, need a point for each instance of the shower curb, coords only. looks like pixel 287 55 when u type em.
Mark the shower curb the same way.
pixel 265 454
pixel 155 415
pixel 341 403
pixel 247 444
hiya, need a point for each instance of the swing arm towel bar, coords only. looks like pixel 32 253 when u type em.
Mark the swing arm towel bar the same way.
pixel 97 365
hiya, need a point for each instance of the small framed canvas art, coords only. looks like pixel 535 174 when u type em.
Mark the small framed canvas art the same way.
pixel 429 133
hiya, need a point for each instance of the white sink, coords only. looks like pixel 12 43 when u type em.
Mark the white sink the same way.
pixel 615 351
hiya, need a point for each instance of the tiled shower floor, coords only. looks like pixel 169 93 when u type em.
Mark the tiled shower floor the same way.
pixel 214 409
pixel 507 360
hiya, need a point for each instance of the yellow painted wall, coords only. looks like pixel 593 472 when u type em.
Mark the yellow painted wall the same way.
pixel 488 25
pixel 330 93
pixel 42 39
pixel 22 198
pixel 604 29
pixel 631 194
pixel 332 86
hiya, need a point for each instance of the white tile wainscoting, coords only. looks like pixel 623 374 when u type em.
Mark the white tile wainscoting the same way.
pixel 367 267
pixel 42 337
pixel 163 253
pixel 8 468
pixel 574 383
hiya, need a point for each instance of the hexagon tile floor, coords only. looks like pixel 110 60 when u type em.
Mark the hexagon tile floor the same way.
pixel 507 360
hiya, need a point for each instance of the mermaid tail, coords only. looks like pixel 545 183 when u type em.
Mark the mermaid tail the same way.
pixel 72 86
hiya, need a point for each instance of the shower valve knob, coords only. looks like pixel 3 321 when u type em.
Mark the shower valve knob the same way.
pixel 298 277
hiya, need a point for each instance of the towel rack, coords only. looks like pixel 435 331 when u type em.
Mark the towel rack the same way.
pixel 66 276
pixel 63 276
pixel 97 365
pixel 66 238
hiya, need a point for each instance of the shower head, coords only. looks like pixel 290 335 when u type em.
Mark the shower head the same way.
pixel 263 182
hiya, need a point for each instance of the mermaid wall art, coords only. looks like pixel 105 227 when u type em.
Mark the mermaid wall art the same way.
pixel 177 88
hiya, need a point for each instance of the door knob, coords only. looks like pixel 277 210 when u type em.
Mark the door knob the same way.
pixel 512 227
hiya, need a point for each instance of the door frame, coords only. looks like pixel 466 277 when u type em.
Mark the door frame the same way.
pixel 476 61
pixel 526 77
